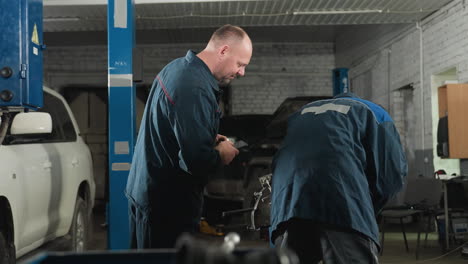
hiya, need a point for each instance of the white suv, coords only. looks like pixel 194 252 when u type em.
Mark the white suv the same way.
pixel 46 179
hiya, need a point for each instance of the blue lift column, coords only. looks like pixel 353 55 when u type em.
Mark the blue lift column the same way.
pixel 21 46
pixel 340 81
pixel 121 41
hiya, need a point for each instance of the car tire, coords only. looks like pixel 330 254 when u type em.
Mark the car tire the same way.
pixel 79 229
pixel 7 252
pixel 262 215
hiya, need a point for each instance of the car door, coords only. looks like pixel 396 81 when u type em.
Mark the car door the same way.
pixel 58 160
pixel 68 168
pixel 29 162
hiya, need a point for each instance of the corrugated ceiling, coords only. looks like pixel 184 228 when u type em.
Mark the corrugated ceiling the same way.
pixel 70 15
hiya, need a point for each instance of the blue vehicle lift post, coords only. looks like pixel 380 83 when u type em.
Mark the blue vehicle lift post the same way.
pixel 21 46
pixel 340 81
pixel 121 41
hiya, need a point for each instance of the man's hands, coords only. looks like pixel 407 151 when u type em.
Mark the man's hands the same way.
pixel 226 149
pixel 220 138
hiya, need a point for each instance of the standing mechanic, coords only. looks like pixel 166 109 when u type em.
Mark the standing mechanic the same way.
pixel 178 146
pixel 340 162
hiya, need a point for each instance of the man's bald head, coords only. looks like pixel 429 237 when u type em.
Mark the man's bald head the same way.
pixel 228 53
pixel 227 34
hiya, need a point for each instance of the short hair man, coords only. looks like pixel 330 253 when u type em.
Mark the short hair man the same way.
pixel 178 146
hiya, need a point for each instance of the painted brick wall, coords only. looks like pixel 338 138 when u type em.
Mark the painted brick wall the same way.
pixel 446 41
pixel 391 54
pixel 276 71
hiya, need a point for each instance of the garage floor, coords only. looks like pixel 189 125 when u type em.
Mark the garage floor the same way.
pixel 394 250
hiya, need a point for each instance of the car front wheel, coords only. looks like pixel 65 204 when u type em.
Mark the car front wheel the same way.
pixel 79 228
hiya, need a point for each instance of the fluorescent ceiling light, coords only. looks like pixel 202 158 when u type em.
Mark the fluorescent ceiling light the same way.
pixel 73 2
pixel 61 19
pixel 336 12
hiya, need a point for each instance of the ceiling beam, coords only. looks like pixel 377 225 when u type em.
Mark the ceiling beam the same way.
pixel 104 2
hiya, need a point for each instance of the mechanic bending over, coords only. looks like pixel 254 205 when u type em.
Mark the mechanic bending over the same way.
pixel 178 146
pixel 340 162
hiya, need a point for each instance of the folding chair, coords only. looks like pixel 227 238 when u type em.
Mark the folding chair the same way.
pixel 422 196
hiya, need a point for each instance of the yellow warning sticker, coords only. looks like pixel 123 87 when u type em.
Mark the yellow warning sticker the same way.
pixel 35 36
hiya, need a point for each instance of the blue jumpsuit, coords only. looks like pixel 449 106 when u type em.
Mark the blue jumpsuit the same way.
pixel 174 154
pixel 339 163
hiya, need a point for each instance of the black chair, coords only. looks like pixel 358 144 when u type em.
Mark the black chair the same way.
pixel 421 199
pixel 457 204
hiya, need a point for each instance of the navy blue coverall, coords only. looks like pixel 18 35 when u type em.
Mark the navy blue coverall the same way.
pixel 340 162
pixel 174 153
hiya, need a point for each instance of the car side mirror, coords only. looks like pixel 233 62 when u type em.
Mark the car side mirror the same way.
pixel 31 123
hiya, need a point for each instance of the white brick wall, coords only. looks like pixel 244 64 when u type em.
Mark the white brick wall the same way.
pixel 280 71
pixel 444 44
pixel 446 41
pixel 276 71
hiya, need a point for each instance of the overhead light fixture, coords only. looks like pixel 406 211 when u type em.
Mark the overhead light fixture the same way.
pixel 337 12
pixel 61 19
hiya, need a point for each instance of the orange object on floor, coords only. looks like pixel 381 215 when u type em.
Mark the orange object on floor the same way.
pixel 205 228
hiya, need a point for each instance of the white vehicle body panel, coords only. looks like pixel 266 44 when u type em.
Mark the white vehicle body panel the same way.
pixel 41 181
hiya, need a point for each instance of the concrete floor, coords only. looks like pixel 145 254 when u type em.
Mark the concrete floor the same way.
pixel 394 248
pixel 395 252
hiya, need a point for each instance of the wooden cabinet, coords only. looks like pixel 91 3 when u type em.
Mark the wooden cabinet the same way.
pixel 453 102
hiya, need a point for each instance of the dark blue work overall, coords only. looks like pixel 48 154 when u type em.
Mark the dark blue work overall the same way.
pixel 174 153
pixel 340 162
